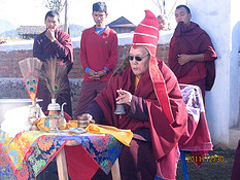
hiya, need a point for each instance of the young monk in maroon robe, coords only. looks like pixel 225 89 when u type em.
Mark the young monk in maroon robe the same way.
pixel 49 44
pixel 155 110
pixel 191 53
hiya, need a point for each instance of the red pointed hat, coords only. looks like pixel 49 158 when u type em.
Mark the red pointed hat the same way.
pixel 146 33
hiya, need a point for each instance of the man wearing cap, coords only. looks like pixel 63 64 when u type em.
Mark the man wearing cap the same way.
pixel 191 53
pixel 155 110
pixel 98 55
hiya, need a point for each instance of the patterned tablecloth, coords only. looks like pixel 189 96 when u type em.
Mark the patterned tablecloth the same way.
pixel 28 153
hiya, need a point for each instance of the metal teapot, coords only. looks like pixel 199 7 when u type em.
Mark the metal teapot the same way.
pixel 55 121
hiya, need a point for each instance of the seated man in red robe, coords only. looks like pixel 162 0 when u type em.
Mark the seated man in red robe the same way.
pixel 191 53
pixel 54 43
pixel 155 110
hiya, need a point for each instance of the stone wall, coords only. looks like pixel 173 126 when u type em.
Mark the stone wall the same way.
pixel 11 81
pixel 9 67
pixel 14 88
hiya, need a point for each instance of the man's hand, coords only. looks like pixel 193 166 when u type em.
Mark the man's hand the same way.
pixel 102 73
pixel 92 72
pixel 183 59
pixel 50 34
pixel 96 75
pixel 124 97
pixel 93 75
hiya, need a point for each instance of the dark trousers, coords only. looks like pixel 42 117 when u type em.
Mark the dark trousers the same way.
pixel 50 172
pixel 136 162
pixel 89 90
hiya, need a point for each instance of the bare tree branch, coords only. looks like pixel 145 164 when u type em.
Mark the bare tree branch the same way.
pixel 57 5
pixel 159 4
pixel 171 12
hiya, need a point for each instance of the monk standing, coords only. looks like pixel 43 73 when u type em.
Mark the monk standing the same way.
pixel 98 55
pixel 54 43
pixel 191 53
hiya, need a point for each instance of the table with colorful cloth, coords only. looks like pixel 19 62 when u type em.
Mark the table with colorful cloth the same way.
pixel 28 153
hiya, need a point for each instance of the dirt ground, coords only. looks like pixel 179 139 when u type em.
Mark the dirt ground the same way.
pixel 210 170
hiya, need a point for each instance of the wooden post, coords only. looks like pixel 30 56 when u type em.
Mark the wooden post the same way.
pixel 62 165
pixel 66 17
pixel 116 175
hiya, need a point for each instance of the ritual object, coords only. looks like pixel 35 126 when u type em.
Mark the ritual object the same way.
pixel 74 130
pixel 55 121
pixel 84 121
pixel 30 68
pixel 120 109
pixel 53 74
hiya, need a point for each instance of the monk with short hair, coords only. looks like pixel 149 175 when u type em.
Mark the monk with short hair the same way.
pixel 54 43
pixel 191 53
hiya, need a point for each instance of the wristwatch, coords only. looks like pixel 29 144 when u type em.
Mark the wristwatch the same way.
pixel 54 39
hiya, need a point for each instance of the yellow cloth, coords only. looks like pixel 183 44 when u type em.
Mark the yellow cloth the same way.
pixel 72 123
pixel 136 82
pixel 41 127
pixel 40 124
pixel 124 136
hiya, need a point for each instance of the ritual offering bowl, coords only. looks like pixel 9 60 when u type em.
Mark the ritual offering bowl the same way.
pixel 84 123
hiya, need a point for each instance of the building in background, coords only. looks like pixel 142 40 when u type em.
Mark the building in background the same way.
pixel 30 32
pixel 122 25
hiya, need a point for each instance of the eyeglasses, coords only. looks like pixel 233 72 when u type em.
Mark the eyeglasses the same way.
pixel 136 57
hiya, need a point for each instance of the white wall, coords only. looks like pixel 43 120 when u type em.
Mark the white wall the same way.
pixel 222 102
pixel 234 66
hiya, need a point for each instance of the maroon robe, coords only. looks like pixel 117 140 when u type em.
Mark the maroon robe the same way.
pixel 44 49
pixel 164 134
pixel 192 39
